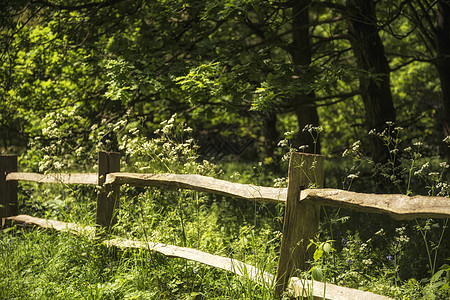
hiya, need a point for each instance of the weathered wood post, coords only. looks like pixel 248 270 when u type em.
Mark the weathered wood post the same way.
pixel 108 195
pixel 301 220
pixel 8 189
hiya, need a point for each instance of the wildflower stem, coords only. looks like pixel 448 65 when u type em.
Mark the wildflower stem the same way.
pixel 438 245
pixel 408 191
pixel 424 236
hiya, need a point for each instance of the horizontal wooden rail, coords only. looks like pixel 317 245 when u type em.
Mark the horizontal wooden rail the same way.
pixel 399 207
pixel 65 178
pixel 200 183
pixel 297 286
pixel 302 289
pixel 52 224
pixel 228 264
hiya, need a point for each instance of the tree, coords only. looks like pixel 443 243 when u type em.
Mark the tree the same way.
pixel 374 72
pixel 442 63
pixel 300 51
pixel 426 40
pixel 238 72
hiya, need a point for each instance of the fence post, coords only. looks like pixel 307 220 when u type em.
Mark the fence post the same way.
pixel 301 220
pixel 8 189
pixel 108 195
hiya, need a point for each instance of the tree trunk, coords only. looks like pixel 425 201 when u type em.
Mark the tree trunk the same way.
pixel 300 51
pixel 270 133
pixel 375 73
pixel 443 62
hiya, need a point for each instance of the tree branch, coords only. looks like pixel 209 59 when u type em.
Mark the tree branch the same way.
pixel 340 98
pixel 79 7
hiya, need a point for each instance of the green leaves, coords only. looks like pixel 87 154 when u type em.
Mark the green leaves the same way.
pixel 121 83
pixel 316 273
pixel 203 82
pixel 266 97
pixel 323 250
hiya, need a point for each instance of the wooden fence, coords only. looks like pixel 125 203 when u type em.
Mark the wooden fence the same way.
pixel 300 222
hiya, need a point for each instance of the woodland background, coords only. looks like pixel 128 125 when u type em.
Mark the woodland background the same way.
pixel 216 87
pixel 240 73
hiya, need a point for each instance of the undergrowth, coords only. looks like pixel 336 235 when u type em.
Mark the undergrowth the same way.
pixel 403 260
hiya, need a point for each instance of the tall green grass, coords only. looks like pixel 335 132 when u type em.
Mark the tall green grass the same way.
pixel 369 251
pixel 41 264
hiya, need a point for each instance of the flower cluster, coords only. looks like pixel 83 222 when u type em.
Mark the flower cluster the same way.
pixel 173 150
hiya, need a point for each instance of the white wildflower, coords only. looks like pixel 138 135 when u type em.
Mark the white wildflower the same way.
pixel 134 131
pixel 380 232
pixel 402 238
pixel 302 147
pixel 79 151
pixel 308 128
pixel 58 165
pixel 394 151
pixel 400 230
pixel 356 145
pixel 288 133
pixel 346 152
pixel 363 246
pixel 444 165
pixel 166 129
pixel 280 182
pixel 188 129
pixel 424 166
pixel 285 156
pixel 282 143
pixel 353 176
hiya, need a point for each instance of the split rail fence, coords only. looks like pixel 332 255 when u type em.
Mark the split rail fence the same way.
pixel 301 219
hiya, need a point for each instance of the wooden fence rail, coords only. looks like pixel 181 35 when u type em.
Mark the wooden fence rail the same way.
pixel 64 178
pixel 399 206
pixel 201 184
pixel 300 223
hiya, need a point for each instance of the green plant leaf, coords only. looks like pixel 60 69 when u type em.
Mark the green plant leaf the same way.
pixel 327 247
pixel 318 253
pixel 316 273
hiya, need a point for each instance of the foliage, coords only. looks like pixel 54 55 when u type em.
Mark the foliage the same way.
pixel 378 254
pixel 205 88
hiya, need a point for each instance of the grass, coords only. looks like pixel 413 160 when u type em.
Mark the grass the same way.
pixel 42 264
